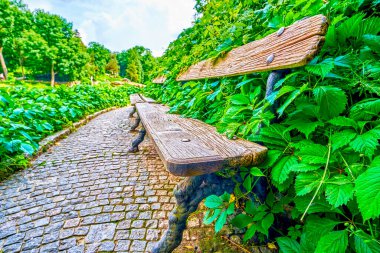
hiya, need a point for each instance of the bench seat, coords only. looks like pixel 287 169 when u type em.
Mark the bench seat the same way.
pixel 189 147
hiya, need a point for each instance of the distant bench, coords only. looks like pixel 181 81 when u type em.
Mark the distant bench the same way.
pixel 193 149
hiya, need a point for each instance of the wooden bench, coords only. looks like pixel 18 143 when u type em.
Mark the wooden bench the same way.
pixel 193 149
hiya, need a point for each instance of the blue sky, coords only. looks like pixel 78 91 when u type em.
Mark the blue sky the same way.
pixel 122 24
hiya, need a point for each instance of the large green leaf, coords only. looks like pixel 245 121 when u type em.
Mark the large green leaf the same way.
pixel 241 220
pixel 220 221
pixel 333 242
pixel 341 139
pixel 213 201
pixel 307 182
pixel 364 243
pixel 366 143
pixel 288 245
pixel 367 187
pixel 314 229
pixel 331 100
pixel 281 170
pixel 339 191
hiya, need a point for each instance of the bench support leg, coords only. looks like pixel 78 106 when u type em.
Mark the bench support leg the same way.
pixel 273 78
pixel 132 112
pixel 137 141
pixel 136 123
pixel 189 193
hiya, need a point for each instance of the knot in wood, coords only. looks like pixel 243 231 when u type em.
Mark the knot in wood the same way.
pixel 280 31
pixel 185 140
pixel 270 58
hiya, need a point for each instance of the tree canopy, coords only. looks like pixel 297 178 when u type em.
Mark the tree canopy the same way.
pixel 42 44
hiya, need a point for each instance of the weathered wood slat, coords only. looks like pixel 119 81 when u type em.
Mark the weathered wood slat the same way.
pixel 148 100
pixel 135 98
pixel 159 79
pixel 295 47
pixel 205 152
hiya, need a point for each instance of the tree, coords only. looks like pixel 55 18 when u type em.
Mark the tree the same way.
pixel 112 66
pixel 57 32
pixel 100 56
pixel 128 61
pixel 29 49
pixel 12 22
pixel 134 70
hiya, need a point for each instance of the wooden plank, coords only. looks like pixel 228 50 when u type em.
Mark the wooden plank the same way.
pixel 148 100
pixel 135 98
pixel 159 79
pixel 206 151
pixel 139 85
pixel 295 47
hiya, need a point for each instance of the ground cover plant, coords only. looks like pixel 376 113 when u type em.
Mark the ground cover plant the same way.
pixel 28 114
pixel 323 165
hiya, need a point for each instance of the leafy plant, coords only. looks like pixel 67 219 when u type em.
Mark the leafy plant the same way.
pixel 323 161
pixel 29 114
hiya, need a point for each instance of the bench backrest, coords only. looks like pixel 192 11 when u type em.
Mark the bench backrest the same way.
pixel 290 47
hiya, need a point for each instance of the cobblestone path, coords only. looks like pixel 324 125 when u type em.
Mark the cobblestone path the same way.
pixel 86 194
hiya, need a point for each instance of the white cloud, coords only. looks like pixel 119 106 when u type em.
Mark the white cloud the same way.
pixel 122 24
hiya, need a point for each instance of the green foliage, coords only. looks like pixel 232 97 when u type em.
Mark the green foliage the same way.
pixel 29 114
pixel 323 159
pixel 130 61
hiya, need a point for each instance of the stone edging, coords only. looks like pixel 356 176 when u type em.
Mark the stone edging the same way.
pixel 52 139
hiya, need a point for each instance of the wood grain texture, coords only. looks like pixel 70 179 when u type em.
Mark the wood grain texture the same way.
pixel 295 47
pixel 135 98
pixel 139 98
pixel 206 151
pixel 159 79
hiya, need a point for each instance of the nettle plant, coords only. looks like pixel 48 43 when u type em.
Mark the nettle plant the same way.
pixel 321 127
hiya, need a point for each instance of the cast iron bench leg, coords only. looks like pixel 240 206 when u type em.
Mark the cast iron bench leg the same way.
pixel 137 141
pixel 189 193
pixel 132 112
pixel 136 123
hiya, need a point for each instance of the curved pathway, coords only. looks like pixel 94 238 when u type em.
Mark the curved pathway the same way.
pixel 86 194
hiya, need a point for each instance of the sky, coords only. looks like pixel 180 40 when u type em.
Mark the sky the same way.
pixel 122 24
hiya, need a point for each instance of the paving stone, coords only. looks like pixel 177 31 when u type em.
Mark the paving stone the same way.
pixel 138 245
pixel 37 232
pixel 72 223
pixel 153 234
pixel 67 244
pixel 125 224
pixel 50 237
pixel 123 245
pixel 5 232
pixel 81 230
pixel 13 239
pixel 50 248
pixel 76 249
pixel 32 243
pixel 138 233
pixel 66 233
pixel 100 232
pixel 122 234
pixel 103 218
pixel 117 216
pixel 107 246
pixel 41 222
pixel 53 227
pixel 137 224
pixel 12 248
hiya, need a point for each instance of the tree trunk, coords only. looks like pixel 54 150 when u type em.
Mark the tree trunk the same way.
pixel 3 65
pixel 22 68
pixel 52 75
